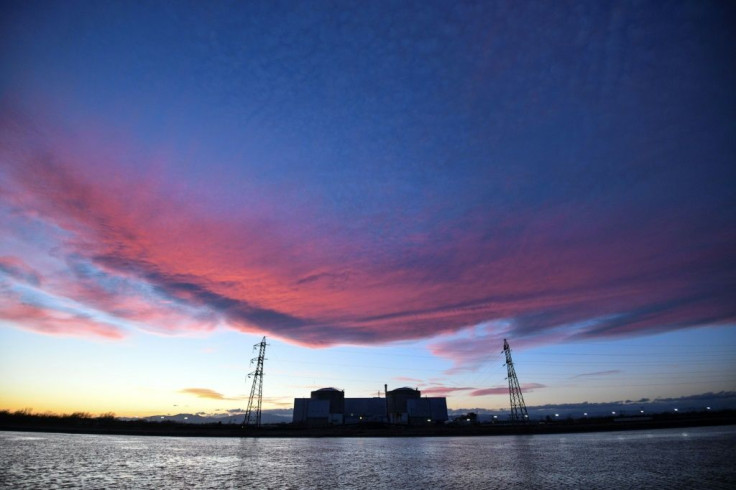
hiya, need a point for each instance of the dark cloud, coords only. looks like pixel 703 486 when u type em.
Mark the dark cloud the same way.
pixel 335 280
pixel 504 390
pixel 598 373
pixel 710 397
pixel 444 390
pixel 724 400
pixel 19 270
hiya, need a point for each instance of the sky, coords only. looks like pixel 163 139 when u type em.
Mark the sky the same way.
pixel 384 190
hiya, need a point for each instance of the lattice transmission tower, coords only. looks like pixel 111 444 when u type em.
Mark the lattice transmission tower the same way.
pixel 518 408
pixel 253 412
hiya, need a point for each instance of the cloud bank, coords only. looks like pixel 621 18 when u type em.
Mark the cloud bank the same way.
pixel 107 255
pixel 455 187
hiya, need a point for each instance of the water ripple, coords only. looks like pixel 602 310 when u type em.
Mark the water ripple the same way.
pixel 648 459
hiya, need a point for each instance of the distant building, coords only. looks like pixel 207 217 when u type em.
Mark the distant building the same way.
pixel 325 407
pixel 328 406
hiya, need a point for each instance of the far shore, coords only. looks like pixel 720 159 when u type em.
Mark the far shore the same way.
pixel 113 426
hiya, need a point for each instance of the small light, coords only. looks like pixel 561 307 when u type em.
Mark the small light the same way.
pixel 429 420
pixel 495 416
pixel 585 413
pixel 557 415
pixel 707 408
pixel 613 413
pixel 642 411
pixel 675 410
pixel 186 418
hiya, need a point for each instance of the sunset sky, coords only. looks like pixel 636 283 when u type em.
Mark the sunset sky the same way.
pixel 385 190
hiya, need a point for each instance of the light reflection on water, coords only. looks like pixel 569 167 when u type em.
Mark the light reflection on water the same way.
pixel 696 458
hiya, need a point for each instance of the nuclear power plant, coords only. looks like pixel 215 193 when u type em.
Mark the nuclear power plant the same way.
pixel 328 406
pixel 401 406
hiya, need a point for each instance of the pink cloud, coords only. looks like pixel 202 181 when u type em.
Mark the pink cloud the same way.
pixel 174 257
pixel 45 320
pixel 207 393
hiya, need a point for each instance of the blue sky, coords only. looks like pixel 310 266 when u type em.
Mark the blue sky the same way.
pixel 386 191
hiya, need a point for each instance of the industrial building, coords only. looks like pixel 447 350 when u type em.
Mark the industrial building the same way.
pixel 328 406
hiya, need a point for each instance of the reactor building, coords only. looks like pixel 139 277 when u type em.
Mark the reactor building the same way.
pixel 328 406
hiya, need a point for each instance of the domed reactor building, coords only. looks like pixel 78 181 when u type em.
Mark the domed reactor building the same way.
pixel 328 406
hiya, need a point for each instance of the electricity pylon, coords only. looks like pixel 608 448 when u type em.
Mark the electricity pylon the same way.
pixel 518 408
pixel 253 412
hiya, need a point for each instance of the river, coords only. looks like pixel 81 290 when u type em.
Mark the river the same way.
pixel 667 458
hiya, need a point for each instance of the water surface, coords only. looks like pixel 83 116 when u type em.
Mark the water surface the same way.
pixel 668 458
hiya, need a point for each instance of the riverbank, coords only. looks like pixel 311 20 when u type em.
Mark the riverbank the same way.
pixel 109 425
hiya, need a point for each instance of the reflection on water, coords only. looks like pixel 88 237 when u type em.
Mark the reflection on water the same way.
pixel 695 458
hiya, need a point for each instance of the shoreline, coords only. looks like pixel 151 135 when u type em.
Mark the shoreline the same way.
pixel 165 429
